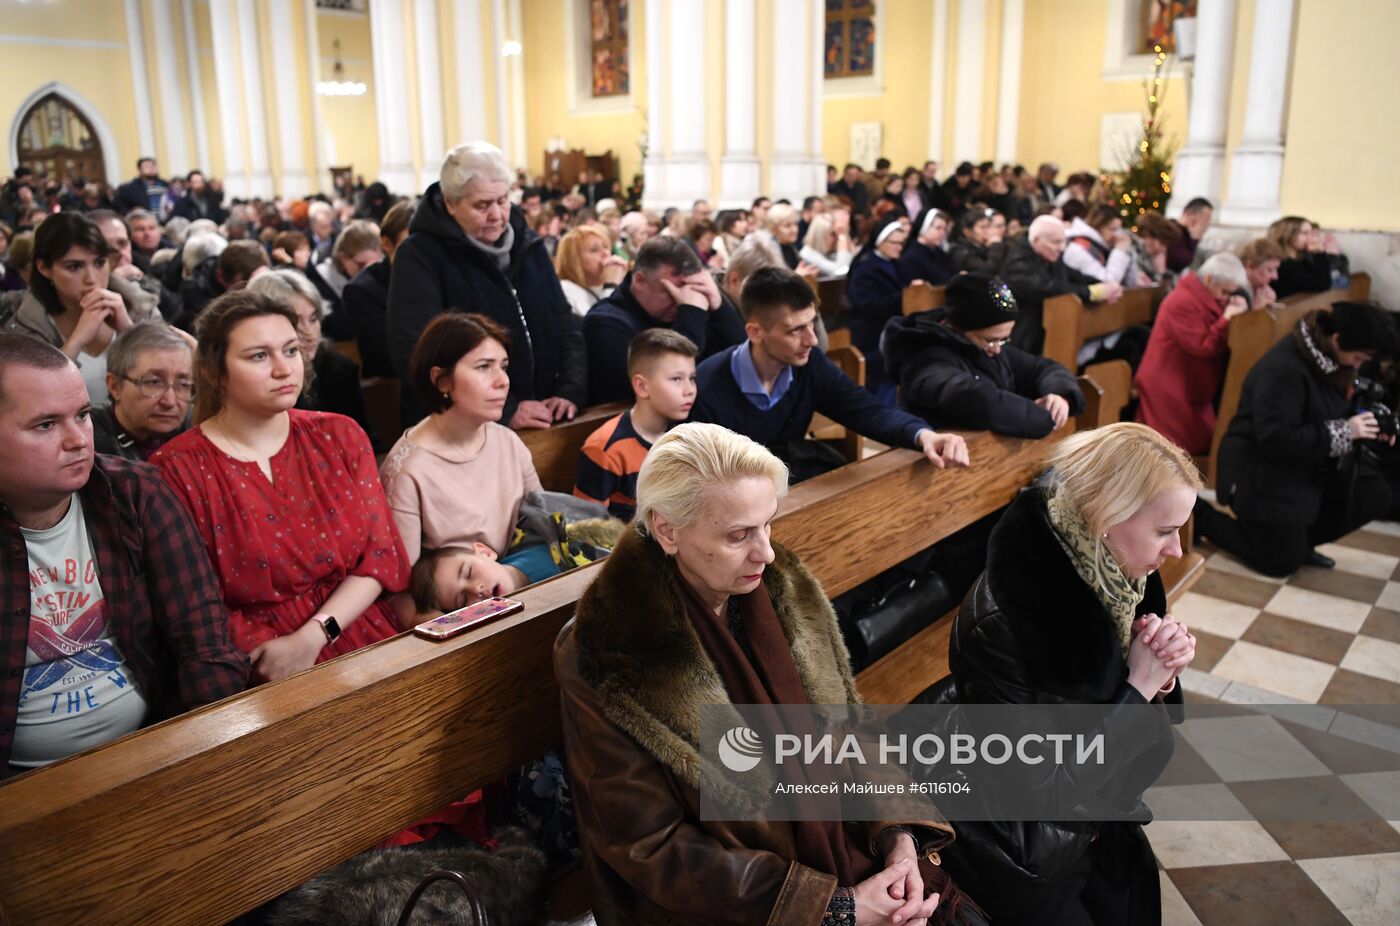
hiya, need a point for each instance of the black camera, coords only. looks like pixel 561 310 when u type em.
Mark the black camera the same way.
pixel 1373 397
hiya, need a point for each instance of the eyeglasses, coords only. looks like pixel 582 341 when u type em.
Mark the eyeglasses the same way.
pixel 153 387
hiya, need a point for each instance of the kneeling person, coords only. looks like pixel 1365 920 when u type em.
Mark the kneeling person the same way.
pixel 769 387
pixel 955 367
pixel 125 623
pixel 661 367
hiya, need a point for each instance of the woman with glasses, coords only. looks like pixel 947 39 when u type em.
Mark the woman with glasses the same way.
pixel 150 377
pixel 956 369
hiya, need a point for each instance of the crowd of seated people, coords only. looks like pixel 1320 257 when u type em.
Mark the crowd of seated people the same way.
pixel 161 324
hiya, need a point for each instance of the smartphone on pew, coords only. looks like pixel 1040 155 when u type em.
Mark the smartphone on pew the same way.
pixel 463 619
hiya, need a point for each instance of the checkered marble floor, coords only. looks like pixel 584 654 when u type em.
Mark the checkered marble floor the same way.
pixel 1326 637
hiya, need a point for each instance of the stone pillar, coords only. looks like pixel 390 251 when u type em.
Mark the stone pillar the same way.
pixel 249 46
pixel 968 83
pixel 295 179
pixel 471 88
pixel 1009 81
pixel 171 87
pixel 224 24
pixel 140 79
pixel 741 175
pixel 386 23
pixel 1256 169
pixel 194 82
pixel 677 167
pixel 1200 166
pixel 938 81
pixel 798 169
pixel 425 29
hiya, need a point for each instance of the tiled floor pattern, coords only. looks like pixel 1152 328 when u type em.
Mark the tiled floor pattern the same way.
pixel 1328 637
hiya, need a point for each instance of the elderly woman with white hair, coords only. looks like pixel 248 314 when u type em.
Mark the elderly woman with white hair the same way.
pixel 469 250
pixel 333 380
pixel 1186 352
pixel 699 606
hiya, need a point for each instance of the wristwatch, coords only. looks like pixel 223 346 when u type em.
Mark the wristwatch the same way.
pixel 329 625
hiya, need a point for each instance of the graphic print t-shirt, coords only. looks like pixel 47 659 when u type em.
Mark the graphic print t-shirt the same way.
pixel 77 691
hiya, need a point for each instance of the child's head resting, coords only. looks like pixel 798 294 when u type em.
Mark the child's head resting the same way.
pixel 454 577
pixel 661 365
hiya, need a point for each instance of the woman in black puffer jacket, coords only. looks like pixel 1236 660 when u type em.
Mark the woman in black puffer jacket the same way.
pixel 1070 610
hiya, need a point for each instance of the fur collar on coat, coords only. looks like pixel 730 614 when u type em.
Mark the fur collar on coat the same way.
pixel 638 650
pixel 1066 640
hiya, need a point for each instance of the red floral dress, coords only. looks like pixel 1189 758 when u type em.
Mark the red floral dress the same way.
pixel 282 547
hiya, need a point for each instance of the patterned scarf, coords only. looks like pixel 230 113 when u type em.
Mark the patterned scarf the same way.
pixel 1119 595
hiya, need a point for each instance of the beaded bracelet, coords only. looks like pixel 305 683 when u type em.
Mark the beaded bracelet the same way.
pixel 841 909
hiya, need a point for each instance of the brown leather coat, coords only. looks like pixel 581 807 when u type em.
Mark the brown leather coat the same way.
pixel 633 677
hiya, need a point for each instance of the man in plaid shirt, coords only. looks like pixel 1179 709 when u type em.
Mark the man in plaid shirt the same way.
pixel 111 617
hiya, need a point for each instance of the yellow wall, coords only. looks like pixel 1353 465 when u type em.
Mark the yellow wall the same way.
pixel 546 82
pixel 902 110
pixel 350 120
pixel 101 75
pixel 1063 92
pixel 1341 130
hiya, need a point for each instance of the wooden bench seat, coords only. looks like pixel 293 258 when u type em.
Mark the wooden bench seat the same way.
pixel 1069 323
pixel 207 816
pixel 1251 336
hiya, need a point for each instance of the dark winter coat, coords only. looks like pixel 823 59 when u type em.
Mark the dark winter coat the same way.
pixel 133 195
pixel 1031 631
pixel 436 269
pixel 971 257
pixel 921 262
pixel 1307 273
pixel 614 321
pixel 633 675
pixel 209 206
pixel 951 383
pixel 1284 438
pixel 365 300
pixel 1033 279
pixel 875 294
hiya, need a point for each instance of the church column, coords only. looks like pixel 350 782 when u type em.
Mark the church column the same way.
pixel 223 24
pixel 195 83
pixel 172 104
pixel 1256 169
pixel 741 175
pixel 140 79
pixel 967 82
pixel 677 167
pixel 249 45
pixel 797 169
pixel 425 27
pixel 1009 89
pixel 938 83
pixel 295 179
pixel 386 24
pixel 471 87
pixel 1200 167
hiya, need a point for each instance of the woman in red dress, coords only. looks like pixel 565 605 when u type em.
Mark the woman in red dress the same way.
pixel 289 502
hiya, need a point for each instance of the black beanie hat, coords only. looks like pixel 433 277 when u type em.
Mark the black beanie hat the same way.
pixel 975 300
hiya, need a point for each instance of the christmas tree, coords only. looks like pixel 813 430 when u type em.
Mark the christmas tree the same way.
pixel 1146 184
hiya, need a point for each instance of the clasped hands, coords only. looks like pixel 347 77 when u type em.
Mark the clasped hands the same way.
pixel 895 895
pixel 1161 649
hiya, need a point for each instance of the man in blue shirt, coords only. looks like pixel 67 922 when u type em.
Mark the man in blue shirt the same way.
pixel 769 387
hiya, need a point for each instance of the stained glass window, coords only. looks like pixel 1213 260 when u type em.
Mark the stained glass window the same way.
pixel 1157 19
pixel 54 139
pixel 850 38
pixel 607 24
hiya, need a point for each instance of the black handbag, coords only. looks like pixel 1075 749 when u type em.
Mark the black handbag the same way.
pixel 479 917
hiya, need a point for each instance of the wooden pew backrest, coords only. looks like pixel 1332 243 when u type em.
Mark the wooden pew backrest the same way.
pixel 1069 322
pixel 922 298
pixel 555 450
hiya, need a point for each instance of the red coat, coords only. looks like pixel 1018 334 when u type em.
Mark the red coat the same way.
pixel 1183 366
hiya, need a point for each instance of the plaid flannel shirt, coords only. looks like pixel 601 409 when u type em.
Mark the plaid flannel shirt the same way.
pixel 164 604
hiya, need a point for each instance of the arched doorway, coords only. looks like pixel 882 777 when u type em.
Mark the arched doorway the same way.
pixel 57 140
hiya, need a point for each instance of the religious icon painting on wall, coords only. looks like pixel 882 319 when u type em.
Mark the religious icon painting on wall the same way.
pixel 1158 17
pixel 608 35
pixel 849 39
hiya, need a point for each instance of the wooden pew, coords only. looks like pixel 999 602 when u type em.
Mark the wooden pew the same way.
pixel 922 298
pixel 555 449
pixel 852 445
pixel 831 297
pixel 1251 336
pixel 1069 323
pixel 206 816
